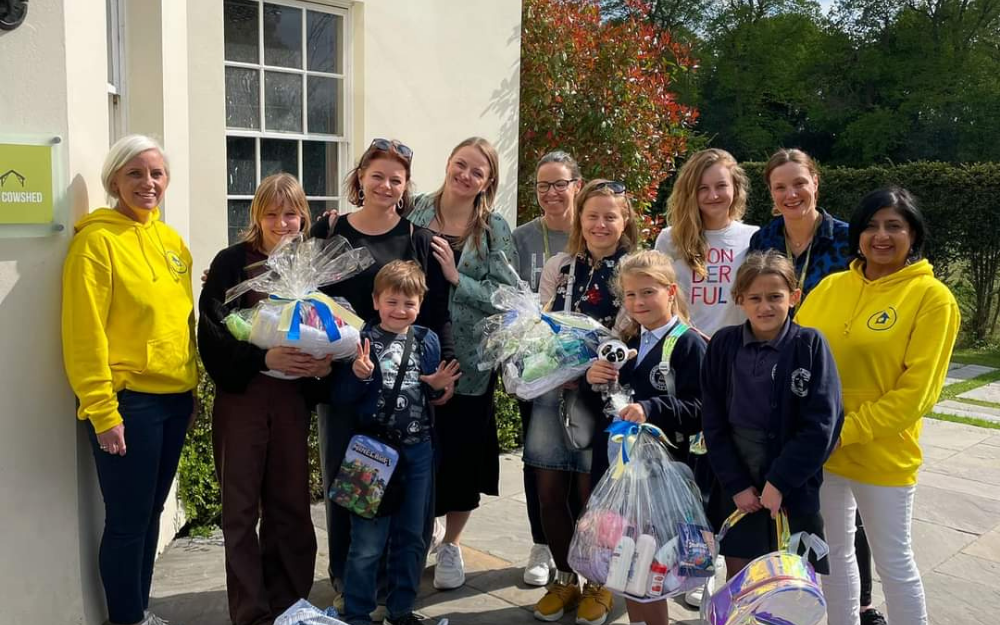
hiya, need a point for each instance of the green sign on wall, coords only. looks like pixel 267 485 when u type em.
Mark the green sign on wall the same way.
pixel 26 195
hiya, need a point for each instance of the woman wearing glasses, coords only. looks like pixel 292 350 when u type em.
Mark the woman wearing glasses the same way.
pixel 380 187
pixel 475 249
pixel 578 280
pixel 557 181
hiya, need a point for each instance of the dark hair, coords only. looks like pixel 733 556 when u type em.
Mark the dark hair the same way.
pixel 562 158
pixel 898 199
pixel 758 263
pixel 353 180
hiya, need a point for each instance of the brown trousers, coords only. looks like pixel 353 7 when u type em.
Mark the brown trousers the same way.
pixel 260 440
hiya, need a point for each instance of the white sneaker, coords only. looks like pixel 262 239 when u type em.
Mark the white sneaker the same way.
pixel 437 536
pixel 694 597
pixel 450 570
pixel 540 563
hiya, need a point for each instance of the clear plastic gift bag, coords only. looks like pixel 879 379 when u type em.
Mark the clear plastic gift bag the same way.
pixel 644 534
pixel 536 351
pixel 296 314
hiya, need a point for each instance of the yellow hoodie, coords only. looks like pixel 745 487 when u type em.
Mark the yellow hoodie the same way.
pixel 127 313
pixel 892 339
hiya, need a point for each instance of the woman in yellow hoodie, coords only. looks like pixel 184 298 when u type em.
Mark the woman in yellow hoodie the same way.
pixel 891 326
pixel 129 352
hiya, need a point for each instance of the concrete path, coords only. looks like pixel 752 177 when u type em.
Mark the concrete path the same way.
pixel 956 529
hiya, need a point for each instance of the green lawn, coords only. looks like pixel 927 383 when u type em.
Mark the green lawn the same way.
pixel 985 357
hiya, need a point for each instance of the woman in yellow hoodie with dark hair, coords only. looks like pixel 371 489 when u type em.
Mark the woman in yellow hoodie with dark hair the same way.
pixel 129 351
pixel 891 326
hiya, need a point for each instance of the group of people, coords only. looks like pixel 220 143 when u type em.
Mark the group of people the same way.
pixel 818 417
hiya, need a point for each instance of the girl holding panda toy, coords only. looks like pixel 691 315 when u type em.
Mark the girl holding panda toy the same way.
pixel 663 375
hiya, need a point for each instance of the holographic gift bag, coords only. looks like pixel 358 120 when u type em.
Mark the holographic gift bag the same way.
pixel 779 588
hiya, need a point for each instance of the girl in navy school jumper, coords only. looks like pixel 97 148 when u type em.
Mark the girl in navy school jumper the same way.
pixel 772 412
pixel 666 394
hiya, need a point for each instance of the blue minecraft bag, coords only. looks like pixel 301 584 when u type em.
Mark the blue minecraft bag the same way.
pixel 365 485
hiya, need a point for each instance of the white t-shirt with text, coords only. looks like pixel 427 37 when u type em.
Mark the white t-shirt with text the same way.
pixel 709 299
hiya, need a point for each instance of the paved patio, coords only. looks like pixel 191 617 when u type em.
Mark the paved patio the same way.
pixel 956 530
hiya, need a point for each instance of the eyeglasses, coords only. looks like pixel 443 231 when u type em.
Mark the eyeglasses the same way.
pixel 385 145
pixel 560 185
pixel 618 188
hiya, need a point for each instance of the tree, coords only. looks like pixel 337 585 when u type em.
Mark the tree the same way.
pixel 602 90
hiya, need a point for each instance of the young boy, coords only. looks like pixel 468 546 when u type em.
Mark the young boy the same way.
pixel 407 422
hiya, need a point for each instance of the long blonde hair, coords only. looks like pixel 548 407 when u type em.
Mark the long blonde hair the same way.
pixel 483 204
pixel 683 213
pixel 281 190
pixel 630 236
pixel 656 266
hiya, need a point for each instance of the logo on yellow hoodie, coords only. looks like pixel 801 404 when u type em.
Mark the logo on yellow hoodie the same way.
pixel 883 319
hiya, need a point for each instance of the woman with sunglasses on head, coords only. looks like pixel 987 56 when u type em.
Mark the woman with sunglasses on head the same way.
pixel 476 252
pixel 579 280
pixel 557 181
pixel 381 189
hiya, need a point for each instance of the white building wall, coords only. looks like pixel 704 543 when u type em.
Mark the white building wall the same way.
pixel 50 515
pixel 435 72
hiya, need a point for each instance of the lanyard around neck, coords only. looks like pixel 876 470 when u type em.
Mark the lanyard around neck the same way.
pixel 545 239
pixel 791 257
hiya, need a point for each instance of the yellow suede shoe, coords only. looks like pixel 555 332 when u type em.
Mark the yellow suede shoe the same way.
pixel 563 594
pixel 595 605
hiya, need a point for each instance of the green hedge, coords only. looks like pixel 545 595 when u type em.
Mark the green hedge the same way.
pixel 960 203
pixel 199 489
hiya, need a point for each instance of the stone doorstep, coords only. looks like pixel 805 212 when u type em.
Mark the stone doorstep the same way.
pixel 960 409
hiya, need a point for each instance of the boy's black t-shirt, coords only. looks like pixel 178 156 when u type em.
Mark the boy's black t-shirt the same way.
pixel 410 418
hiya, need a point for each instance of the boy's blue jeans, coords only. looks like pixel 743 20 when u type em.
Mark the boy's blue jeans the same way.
pixel 134 487
pixel 402 534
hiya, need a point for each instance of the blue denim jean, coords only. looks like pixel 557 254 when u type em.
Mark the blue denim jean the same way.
pixel 402 534
pixel 134 487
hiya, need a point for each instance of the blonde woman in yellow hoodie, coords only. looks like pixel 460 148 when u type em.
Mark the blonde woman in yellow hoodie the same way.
pixel 129 352
pixel 891 326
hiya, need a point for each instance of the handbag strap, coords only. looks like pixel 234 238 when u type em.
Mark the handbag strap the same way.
pixel 404 363
pixel 781 527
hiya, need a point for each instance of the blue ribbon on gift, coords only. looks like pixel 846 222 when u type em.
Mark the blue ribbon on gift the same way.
pixel 325 315
pixel 624 430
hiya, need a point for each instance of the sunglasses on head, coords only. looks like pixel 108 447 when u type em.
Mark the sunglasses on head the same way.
pixel 618 188
pixel 384 145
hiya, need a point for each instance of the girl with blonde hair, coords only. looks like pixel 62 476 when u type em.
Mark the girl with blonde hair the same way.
pixel 705 236
pixel 578 280
pixel 664 376
pixel 260 424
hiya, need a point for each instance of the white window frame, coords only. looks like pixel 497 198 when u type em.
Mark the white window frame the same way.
pixel 346 77
pixel 115 20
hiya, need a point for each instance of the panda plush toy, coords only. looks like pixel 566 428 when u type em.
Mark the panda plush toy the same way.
pixel 613 351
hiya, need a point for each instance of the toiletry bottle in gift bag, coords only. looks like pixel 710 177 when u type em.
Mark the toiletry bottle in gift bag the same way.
pixel 645 549
pixel 621 563
pixel 657 573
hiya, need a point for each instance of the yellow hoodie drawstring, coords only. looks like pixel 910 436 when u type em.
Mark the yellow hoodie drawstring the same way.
pixel 854 314
pixel 142 248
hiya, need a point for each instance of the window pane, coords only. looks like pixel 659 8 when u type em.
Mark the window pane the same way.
pixel 239 218
pixel 242 98
pixel 279 155
pixel 282 36
pixel 240 165
pixel 320 167
pixel 283 101
pixel 241 30
pixel 325 42
pixel 324 105
pixel 318 207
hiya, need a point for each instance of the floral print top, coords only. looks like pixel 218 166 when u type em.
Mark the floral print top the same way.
pixel 592 293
